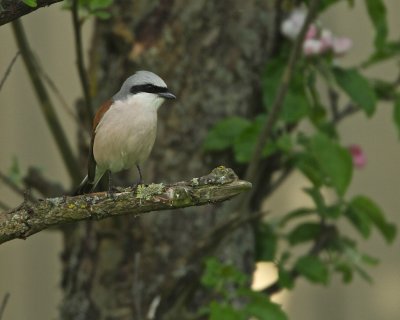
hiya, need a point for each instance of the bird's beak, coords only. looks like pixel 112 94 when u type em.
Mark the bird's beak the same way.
pixel 167 95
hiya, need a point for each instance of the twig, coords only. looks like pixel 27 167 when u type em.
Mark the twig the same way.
pixel 347 111
pixel 3 304
pixel 14 9
pixel 281 179
pixel 251 172
pixel 216 235
pixel 3 80
pixel 137 287
pixel 220 185
pixel 46 105
pixel 34 179
pixel 59 96
pixel 14 187
pixel 396 82
pixel 326 234
pixel 333 102
pixel 80 60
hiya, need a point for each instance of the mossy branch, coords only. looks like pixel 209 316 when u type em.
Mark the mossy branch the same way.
pixel 30 218
pixel 13 9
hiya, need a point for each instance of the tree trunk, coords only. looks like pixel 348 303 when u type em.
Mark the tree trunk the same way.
pixel 211 54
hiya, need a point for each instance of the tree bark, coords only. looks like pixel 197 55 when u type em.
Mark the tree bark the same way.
pixel 211 54
pixel 14 9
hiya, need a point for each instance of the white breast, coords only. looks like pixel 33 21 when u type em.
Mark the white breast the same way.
pixel 126 133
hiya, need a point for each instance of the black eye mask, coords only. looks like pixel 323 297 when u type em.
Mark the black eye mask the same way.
pixel 149 88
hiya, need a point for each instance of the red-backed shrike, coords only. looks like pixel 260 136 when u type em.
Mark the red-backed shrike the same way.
pixel 124 128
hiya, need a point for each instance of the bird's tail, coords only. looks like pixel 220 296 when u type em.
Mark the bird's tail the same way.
pixel 86 186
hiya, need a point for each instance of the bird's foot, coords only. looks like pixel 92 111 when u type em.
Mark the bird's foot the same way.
pixel 137 183
pixel 111 192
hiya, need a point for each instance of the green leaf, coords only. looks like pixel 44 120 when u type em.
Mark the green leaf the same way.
pixel 353 260
pixel 285 279
pixel 224 133
pixel 363 274
pixel 245 142
pixel 313 269
pixel 332 211
pixel 377 13
pixel 297 213
pixel 384 89
pixel 30 3
pixel 346 271
pixel 103 15
pixel 266 243
pixel 309 167
pixel 263 309
pixel 295 105
pixel 359 220
pixel 372 261
pixel 365 207
pixel 396 113
pixel 211 274
pixel 284 143
pixel 217 274
pixel 223 312
pixel 387 51
pixel 304 232
pixel 333 160
pixel 271 79
pixel 318 112
pixel 99 4
pixel 357 87
pixel 318 199
pixel 14 172
pixel 318 115
pixel 328 129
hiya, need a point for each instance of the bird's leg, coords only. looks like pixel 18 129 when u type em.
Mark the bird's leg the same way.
pixel 140 175
pixel 140 180
pixel 111 189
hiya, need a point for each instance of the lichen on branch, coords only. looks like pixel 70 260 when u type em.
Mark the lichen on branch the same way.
pixel 30 218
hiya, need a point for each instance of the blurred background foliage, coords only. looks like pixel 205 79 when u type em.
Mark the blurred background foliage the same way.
pixel 318 154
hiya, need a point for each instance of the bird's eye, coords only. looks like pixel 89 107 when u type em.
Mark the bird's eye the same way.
pixel 148 87
pixel 134 89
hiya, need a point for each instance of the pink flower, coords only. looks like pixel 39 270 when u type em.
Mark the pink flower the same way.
pixel 341 45
pixel 327 39
pixel 313 47
pixel 311 32
pixel 359 159
pixel 317 41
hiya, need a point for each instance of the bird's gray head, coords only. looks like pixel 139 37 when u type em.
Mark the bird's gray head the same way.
pixel 144 82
